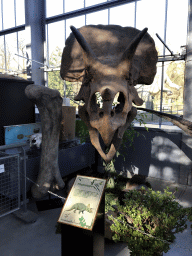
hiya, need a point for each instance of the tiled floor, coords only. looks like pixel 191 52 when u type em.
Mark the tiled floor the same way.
pixel 39 238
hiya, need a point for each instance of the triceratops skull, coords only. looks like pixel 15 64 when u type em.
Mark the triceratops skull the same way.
pixel 109 74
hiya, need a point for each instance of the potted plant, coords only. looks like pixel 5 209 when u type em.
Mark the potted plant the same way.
pixel 147 221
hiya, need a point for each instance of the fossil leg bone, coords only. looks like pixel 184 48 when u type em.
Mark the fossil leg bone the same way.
pixel 49 103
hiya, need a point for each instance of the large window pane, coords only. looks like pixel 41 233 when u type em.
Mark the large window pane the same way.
pixel 172 91
pixel 20 12
pixel 56 36
pixel 93 2
pixel 0 18
pixel 173 87
pixel 176 25
pixel 54 7
pixel 2 55
pixel 123 15
pixel 11 49
pixel 72 5
pixel 55 44
pixel 95 18
pixel 151 96
pixel 8 14
pixel 151 14
pixel 22 52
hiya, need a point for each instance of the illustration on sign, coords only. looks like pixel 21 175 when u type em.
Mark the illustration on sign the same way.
pixel 83 201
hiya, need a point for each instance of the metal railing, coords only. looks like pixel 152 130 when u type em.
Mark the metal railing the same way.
pixel 12 164
pixel 9 184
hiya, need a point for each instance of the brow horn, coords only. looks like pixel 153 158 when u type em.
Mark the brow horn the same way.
pixel 130 51
pixel 83 43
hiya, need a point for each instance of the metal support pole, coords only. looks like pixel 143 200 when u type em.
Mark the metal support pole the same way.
pixel 187 114
pixel 24 183
pixel 35 28
pixel 186 169
pixel 162 74
pixel 135 18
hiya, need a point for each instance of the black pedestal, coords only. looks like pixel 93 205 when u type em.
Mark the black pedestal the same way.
pixel 78 241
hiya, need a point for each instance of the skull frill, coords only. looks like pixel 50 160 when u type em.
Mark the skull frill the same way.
pixel 109 60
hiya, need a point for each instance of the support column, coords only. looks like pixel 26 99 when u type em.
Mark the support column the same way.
pixel 186 146
pixel 35 35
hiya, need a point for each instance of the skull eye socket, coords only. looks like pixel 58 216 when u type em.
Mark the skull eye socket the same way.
pixel 96 101
pixel 118 102
pixel 99 99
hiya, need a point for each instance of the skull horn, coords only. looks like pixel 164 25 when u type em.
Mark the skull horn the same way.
pixel 130 51
pixel 83 43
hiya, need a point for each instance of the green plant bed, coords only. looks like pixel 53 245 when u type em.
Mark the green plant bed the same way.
pixel 150 212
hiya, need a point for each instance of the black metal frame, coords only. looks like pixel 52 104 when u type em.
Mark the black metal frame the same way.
pixel 87 10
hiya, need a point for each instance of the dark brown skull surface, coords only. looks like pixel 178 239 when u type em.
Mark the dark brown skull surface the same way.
pixel 109 60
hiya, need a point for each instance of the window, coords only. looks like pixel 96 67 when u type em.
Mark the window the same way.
pixel 100 17
pixel 8 14
pixel 54 7
pixel 140 14
pixel 123 15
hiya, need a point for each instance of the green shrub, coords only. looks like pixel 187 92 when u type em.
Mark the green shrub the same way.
pixel 154 213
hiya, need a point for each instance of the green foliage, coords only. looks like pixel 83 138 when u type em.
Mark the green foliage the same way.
pixel 54 79
pixel 58 228
pixel 154 213
pixel 110 200
pixel 81 131
pixel 189 215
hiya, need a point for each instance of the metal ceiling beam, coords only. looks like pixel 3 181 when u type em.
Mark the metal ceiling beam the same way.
pixel 171 58
pixel 87 10
pixel 12 30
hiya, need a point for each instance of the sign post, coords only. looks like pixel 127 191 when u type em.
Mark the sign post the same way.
pixel 82 218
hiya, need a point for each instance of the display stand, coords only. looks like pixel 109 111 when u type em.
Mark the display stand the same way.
pixel 76 241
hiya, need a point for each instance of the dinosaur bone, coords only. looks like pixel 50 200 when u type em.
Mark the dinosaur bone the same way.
pixel 182 123
pixel 49 103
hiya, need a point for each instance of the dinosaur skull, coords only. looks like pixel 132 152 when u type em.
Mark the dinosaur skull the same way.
pixel 35 140
pixel 112 77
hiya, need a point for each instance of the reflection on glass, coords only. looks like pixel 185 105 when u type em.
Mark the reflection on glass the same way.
pixel 123 15
pixel 172 91
pixel 173 87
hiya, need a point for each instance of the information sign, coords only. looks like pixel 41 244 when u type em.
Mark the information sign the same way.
pixel 82 204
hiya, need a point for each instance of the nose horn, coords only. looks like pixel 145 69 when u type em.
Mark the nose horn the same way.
pixel 107 135
pixel 107 130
